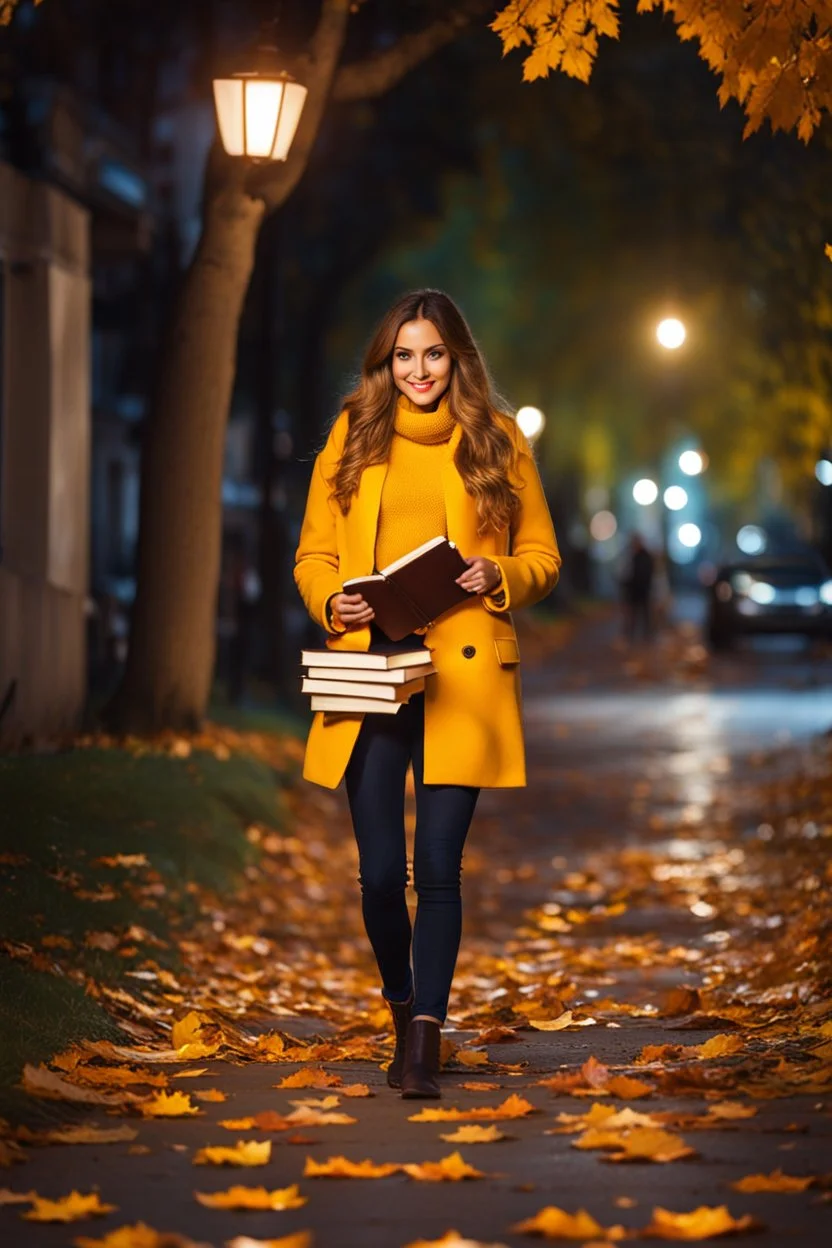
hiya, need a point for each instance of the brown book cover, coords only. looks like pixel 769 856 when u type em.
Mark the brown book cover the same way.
pixel 415 590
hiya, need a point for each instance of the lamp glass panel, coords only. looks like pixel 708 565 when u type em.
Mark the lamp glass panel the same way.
pixel 228 98
pixel 289 117
pixel 262 109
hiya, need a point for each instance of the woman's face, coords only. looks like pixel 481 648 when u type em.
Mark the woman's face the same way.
pixel 422 363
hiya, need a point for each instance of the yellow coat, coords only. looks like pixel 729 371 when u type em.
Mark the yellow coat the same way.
pixel 473 722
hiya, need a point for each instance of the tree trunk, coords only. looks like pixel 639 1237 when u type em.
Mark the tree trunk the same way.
pixel 172 641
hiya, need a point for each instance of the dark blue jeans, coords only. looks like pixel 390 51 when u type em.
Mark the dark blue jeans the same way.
pixel 375 779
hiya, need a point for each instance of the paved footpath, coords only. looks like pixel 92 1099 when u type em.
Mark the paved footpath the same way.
pixel 636 752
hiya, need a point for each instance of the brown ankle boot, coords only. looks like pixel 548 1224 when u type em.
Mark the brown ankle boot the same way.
pixel 401 1011
pixel 421 1060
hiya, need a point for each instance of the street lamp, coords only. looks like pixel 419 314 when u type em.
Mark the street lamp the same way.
pixel 645 492
pixel 258 110
pixel 692 463
pixel 675 497
pixel 531 421
pixel 670 333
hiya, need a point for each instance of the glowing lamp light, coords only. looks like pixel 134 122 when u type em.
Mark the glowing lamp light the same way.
pixel 689 535
pixel 675 498
pixel 531 421
pixel 692 463
pixel 762 592
pixel 603 526
pixel 823 471
pixel 645 492
pixel 751 539
pixel 670 333
pixel 258 111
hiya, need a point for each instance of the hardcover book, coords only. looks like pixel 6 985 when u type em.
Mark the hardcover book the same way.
pixel 353 688
pixel 390 676
pixel 386 660
pixel 352 706
pixel 415 590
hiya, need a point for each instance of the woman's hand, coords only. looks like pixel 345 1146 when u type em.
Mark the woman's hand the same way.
pixel 482 576
pixel 351 609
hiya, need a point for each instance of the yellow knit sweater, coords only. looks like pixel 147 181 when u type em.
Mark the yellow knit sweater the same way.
pixel 412 502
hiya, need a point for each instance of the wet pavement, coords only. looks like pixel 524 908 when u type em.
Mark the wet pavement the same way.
pixel 626 748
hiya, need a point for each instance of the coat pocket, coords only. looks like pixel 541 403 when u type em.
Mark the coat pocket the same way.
pixel 508 651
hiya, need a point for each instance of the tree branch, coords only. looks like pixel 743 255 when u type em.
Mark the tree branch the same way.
pixel 366 79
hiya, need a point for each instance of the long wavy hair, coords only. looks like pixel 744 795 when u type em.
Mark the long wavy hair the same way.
pixel 485 455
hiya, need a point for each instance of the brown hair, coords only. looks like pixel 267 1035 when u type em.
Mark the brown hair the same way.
pixel 485 454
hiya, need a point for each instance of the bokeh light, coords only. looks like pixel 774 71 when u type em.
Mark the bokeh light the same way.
pixel 675 497
pixel 531 420
pixel 751 539
pixel 670 333
pixel 690 535
pixel 645 491
pixel 603 526
pixel 823 471
pixel 692 463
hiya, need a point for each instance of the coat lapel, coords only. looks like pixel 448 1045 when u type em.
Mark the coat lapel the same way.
pixel 460 509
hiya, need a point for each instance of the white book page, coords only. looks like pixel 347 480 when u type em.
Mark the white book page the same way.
pixel 413 554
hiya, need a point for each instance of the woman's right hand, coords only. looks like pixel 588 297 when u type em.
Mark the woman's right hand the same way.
pixel 351 609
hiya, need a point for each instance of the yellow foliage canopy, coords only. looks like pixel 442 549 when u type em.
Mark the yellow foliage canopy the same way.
pixel 774 57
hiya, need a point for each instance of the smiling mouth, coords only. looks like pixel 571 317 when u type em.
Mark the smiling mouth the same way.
pixel 421 385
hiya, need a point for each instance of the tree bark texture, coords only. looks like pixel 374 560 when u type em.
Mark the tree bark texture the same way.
pixel 172 641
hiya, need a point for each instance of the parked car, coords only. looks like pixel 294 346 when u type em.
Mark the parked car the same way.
pixel 770 594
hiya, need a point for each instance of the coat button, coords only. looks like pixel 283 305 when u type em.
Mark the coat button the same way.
pixel 468 652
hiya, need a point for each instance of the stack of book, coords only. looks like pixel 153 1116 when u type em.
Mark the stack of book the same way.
pixel 358 683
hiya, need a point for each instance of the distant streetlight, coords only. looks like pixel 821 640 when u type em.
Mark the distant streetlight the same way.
pixel 751 539
pixel 692 463
pixel 645 492
pixel 689 535
pixel 675 498
pixel 258 110
pixel 603 526
pixel 823 471
pixel 670 333
pixel 531 421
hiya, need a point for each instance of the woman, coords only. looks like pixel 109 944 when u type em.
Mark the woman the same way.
pixel 421 449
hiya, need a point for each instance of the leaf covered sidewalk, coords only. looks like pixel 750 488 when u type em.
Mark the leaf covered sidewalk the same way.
pixel 639 1046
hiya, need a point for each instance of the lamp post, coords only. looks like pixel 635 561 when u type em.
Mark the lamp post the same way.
pixel 258 109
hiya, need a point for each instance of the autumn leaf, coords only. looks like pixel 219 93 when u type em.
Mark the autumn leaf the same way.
pixel 267 1120
pixel 244 1153
pixel 626 1088
pixel 356 1089
pixel 467 1057
pixel 721 1046
pixel 299 1239
pixel 117 1076
pixel 513 1106
pixel 315 1077
pixel 11 1154
pixel 650 1144
pixel 169 1105
pixel 452 1168
pixel 138 1236
pixel 777 1181
pixel 211 1096
pixel 554 1223
pixel 703 1223
pixel 342 1168
pixel 88 1135
pixel 566 1019
pixel 8 1197
pixel 307 1117
pixel 480 1086
pixel 71 1208
pixel 317 1102
pixel 475 1135
pixel 253 1198
pixel 122 860
pixel 451 1239
pixel 40 1081
pixel 194 1073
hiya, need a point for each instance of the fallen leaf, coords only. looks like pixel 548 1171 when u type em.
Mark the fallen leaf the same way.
pixel 253 1198
pixel 467 1057
pixel 513 1106
pixel 71 1208
pixel 186 1030
pixel 721 1046
pixel 169 1105
pixel 649 1144
pixel 315 1077
pixel 40 1081
pixel 8 1197
pixel 480 1086
pixel 626 1088
pixel 122 860
pixel 299 1239
pixel 138 1236
pixel 356 1089
pixel 11 1154
pixel 703 1223
pixel 307 1117
pixel 566 1019
pixel 452 1168
pixel 451 1239
pixel 211 1095
pixel 88 1135
pixel 554 1223
pixel 244 1153
pixel 342 1168
pixel 317 1102
pixel 475 1135
pixel 191 1074
pixel 777 1181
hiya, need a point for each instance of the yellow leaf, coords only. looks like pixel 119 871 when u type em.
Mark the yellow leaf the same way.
pixel 300 1239
pixel 828 251
pixel 8 1197
pixel 89 1135
pixel 554 1223
pixel 42 1082
pixel 467 1057
pixel 342 1168
pixel 555 1024
pixel 169 1105
pixel 451 1239
pixel 721 1046
pixel 701 1223
pixel 304 1116
pixel 356 1089
pixel 513 1106
pixel 777 1181
pixel 138 1236
pixel 315 1077
pixel 193 1073
pixel 649 1144
pixel 71 1208
pixel 626 1088
pixel 317 1102
pixel 475 1135
pixel 186 1030
pixel 211 1095
pixel 244 1153
pixel 452 1168
pixel 253 1198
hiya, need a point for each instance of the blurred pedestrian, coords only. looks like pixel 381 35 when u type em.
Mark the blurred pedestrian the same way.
pixel 636 590
pixel 423 448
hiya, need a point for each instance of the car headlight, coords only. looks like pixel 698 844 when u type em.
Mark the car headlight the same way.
pixel 762 592
pixel 825 593
pixel 742 582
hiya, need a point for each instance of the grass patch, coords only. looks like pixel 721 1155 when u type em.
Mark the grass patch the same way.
pixel 59 814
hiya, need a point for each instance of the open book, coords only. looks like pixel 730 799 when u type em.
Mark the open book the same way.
pixel 415 590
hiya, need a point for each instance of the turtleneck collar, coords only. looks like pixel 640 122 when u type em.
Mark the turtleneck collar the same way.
pixel 415 423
